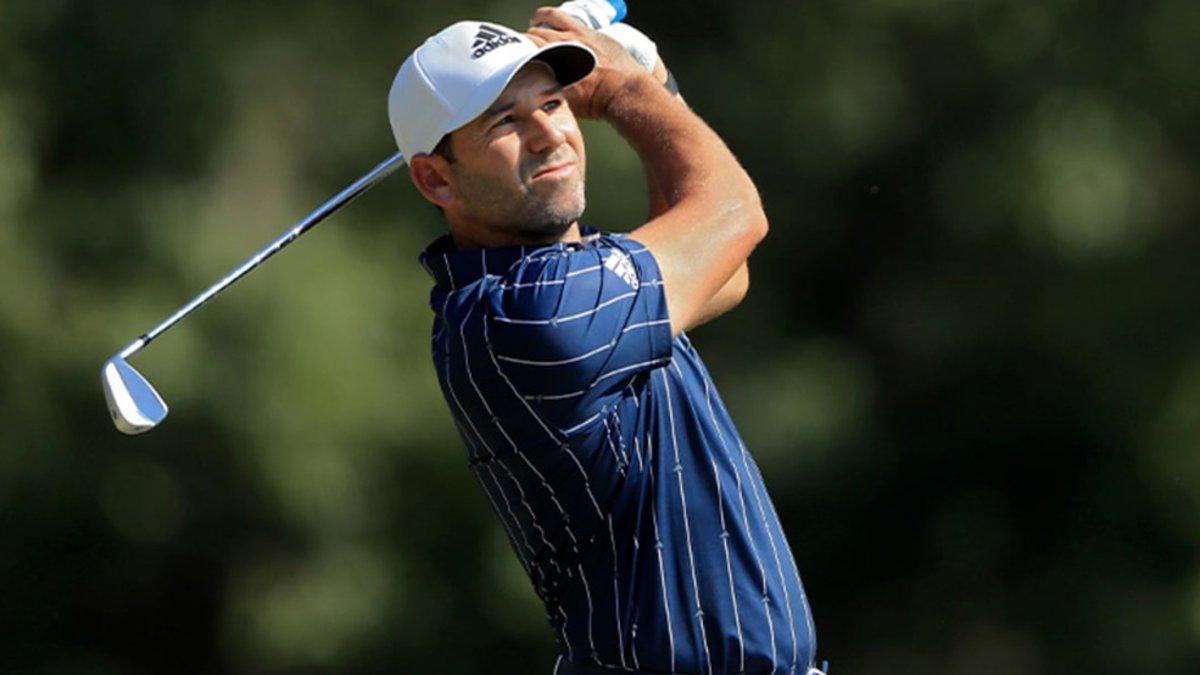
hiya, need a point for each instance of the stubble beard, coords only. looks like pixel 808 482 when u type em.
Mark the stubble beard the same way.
pixel 551 216
pixel 530 214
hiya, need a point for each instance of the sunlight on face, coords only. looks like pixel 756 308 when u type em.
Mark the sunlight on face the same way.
pixel 520 166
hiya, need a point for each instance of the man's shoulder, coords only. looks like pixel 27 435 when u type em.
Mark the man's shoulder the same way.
pixel 584 272
pixel 600 247
pixel 544 285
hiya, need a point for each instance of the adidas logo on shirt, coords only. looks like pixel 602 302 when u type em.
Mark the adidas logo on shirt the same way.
pixel 620 264
pixel 489 38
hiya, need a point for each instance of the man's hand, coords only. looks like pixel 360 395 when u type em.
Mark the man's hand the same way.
pixel 591 97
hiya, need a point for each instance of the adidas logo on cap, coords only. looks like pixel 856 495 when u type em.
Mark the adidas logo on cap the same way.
pixel 489 38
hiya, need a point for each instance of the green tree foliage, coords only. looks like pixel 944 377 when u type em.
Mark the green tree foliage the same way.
pixel 968 365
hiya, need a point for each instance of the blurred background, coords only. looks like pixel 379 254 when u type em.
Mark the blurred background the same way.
pixel 969 365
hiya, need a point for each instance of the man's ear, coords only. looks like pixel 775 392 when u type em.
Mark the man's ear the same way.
pixel 432 176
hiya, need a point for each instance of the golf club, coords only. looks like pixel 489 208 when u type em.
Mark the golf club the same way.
pixel 134 404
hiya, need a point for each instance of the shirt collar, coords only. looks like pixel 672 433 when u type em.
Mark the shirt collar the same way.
pixel 452 268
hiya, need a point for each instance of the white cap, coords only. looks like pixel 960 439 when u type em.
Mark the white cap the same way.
pixel 458 73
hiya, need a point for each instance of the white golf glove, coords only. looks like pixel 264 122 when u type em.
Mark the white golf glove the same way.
pixel 642 48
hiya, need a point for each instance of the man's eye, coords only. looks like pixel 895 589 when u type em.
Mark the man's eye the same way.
pixel 552 104
pixel 507 119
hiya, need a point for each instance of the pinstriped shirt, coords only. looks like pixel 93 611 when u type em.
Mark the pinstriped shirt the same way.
pixel 616 472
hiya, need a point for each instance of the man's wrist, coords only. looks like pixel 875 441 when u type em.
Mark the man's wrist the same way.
pixel 629 94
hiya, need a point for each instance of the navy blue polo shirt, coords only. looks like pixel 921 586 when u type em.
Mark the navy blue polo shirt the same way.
pixel 611 462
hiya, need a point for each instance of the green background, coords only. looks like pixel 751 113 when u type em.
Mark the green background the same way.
pixel 969 364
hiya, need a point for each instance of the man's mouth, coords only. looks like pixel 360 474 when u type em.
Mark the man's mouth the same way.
pixel 555 171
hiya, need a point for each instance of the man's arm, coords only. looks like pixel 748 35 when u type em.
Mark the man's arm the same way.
pixel 734 290
pixel 713 217
pixel 730 296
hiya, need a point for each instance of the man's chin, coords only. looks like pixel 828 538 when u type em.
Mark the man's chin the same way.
pixel 550 226
pixel 558 213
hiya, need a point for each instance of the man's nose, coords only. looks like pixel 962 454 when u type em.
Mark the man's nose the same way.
pixel 543 133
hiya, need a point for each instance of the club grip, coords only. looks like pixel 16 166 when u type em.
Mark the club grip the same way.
pixel 622 10
pixel 596 14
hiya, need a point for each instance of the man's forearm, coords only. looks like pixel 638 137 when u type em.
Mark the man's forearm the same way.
pixel 734 290
pixel 706 216
pixel 685 157
pixel 656 201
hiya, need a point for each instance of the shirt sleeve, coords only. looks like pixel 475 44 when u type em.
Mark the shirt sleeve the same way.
pixel 572 329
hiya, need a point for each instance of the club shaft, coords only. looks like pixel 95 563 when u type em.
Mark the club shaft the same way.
pixel 366 182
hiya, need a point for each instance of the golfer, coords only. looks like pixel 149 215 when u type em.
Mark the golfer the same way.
pixel 591 423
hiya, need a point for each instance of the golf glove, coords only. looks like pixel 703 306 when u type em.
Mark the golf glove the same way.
pixel 642 48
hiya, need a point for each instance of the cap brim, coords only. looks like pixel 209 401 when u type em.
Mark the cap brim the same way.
pixel 569 61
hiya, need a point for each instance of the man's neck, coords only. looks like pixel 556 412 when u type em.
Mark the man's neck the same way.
pixel 470 239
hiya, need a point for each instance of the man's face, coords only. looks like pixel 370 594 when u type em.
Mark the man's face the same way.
pixel 519 168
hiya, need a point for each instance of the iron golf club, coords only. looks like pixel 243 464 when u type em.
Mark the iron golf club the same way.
pixel 133 403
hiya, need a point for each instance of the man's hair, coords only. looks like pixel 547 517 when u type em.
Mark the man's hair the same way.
pixel 443 149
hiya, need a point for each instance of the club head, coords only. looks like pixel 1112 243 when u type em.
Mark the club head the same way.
pixel 134 405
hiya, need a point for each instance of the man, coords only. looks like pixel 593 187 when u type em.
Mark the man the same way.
pixel 591 423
